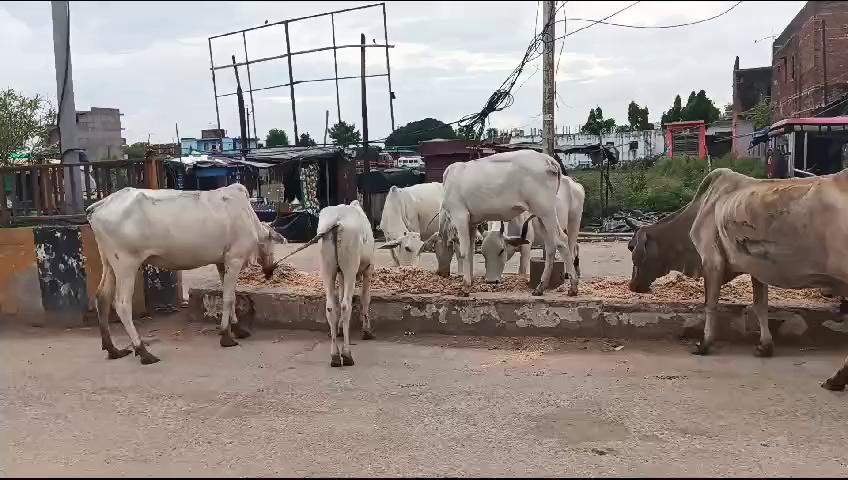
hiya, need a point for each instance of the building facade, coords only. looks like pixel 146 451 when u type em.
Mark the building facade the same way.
pixel 750 87
pixel 637 145
pixel 810 63
pixel 100 134
pixel 214 140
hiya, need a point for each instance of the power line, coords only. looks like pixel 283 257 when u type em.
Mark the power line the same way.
pixel 595 22
pixel 656 26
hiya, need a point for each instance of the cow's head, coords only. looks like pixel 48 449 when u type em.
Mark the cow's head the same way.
pixel 498 248
pixel 265 249
pixel 406 249
pixel 648 261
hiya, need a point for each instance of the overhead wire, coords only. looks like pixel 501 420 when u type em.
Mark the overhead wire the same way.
pixel 647 27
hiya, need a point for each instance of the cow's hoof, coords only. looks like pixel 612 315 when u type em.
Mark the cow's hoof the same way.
pixel 764 350
pixel 538 291
pixel 832 385
pixel 366 335
pixel 347 360
pixel 572 292
pixel 240 332
pixel 115 354
pixel 335 360
pixel 227 340
pixel 701 348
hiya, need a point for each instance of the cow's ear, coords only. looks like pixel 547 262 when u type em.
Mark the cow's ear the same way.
pixel 392 244
pixel 515 241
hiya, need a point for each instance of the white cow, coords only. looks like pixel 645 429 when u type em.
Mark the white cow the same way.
pixel 175 230
pixel 409 216
pixel 500 187
pixel 497 251
pixel 347 253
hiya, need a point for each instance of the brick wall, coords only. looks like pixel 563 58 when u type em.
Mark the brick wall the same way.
pixel 810 60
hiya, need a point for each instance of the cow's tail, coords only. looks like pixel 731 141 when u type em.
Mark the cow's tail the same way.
pixel 89 211
pixel 331 230
pixel 553 168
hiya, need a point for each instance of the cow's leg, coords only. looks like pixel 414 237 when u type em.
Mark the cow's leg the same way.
pixel 231 271
pixel 104 299
pixel 524 260
pixel 838 380
pixel 346 309
pixel 125 285
pixel 237 330
pixel 329 281
pixel 458 254
pixel 365 303
pixel 555 241
pixel 766 346
pixel 712 288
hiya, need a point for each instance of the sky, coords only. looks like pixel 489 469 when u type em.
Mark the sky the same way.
pixel 151 60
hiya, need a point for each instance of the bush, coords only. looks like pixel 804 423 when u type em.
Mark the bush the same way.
pixel 664 186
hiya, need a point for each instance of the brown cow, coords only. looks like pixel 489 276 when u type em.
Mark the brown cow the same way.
pixel 787 233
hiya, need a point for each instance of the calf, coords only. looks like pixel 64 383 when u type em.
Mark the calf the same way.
pixel 347 253
pixel 497 250
pixel 500 187
pixel 408 218
pixel 175 230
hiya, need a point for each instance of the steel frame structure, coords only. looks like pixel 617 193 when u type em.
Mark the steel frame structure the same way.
pixel 289 54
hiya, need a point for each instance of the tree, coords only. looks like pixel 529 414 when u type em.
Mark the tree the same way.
pixel 305 140
pixel 674 114
pixel 420 131
pixel 761 114
pixel 345 134
pixel 491 132
pixel 276 138
pixel 136 150
pixel 637 117
pixel 596 125
pixel 698 107
pixel 26 124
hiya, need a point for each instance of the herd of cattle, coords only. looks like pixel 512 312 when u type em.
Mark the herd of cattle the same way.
pixel 785 233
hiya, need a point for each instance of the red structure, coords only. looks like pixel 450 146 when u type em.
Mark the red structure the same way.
pixel 438 154
pixel 686 139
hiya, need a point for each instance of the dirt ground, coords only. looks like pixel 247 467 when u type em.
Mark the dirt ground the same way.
pixel 597 259
pixel 412 405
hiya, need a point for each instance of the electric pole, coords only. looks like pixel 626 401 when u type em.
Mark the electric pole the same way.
pixel 548 81
pixel 68 139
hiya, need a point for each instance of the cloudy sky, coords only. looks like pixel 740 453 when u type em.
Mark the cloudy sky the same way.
pixel 151 59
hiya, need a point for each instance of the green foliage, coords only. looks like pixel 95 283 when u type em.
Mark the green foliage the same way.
pixel 637 117
pixel 136 150
pixel 420 131
pixel 276 138
pixel 761 114
pixel 596 125
pixel 665 186
pixel 345 134
pixel 491 132
pixel 26 124
pixel 467 133
pixel 305 140
pixel 698 107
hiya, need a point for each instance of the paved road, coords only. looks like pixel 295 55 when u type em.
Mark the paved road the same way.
pixel 597 259
pixel 435 405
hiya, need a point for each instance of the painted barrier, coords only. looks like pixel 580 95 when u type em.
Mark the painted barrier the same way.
pixel 51 273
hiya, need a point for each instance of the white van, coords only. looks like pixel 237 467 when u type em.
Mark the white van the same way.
pixel 409 162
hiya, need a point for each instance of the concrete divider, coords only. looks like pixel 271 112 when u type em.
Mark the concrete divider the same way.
pixel 50 275
pixel 517 314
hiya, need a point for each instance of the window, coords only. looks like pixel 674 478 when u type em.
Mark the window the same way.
pixel 793 67
pixel 634 145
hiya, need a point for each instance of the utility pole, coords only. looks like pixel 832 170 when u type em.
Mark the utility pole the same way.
pixel 366 161
pixel 548 81
pixel 326 125
pixel 68 140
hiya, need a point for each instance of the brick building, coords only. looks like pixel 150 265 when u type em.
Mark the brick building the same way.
pixel 810 63
pixel 750 87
